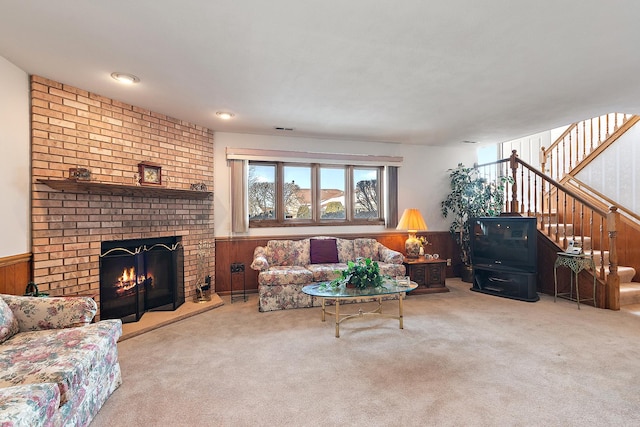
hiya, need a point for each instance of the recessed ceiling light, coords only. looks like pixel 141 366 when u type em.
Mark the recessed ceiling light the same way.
pixel 125 78
pixel 224 115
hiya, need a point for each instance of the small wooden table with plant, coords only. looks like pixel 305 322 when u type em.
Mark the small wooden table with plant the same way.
pixel 360 280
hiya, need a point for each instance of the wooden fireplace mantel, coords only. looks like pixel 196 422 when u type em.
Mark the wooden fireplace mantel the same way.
pixel 76 186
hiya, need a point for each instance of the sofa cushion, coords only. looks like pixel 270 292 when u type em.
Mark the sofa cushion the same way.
pixel 288 252
pixel 345 250
pixel 323 251
pixel 366 248
pixel 8 322
pixel 285 275
pixel 65 357
pixel 326 272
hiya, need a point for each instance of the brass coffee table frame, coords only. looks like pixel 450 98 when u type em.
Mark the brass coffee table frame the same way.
pixel 356 294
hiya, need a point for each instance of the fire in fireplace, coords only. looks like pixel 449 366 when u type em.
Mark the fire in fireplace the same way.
pixel 140 275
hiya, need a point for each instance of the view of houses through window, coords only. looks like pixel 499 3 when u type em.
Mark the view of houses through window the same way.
pixel 304 193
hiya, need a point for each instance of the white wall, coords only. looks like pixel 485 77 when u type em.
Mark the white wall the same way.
pixel 528 148
pixel 422 178
pixel 15 154
pixel 615 171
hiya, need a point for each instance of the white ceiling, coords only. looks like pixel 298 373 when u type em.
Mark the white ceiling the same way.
pixel 413 71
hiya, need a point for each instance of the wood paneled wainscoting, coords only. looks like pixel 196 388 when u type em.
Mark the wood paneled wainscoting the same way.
pixel 232 250
pixel 15 273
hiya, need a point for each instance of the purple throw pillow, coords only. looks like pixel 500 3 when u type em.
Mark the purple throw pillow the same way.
pixel 323 251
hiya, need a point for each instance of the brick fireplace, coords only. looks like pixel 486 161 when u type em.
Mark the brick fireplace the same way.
pixel 73 128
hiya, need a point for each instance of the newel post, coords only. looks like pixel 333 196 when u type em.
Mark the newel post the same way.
pixel 613 280
pixel 513 164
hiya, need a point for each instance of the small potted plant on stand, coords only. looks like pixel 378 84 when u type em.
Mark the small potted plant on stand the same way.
pixel 471 196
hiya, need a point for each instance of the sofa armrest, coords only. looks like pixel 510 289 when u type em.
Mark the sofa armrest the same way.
pixel 36 314
pixel 29 404
pixel 260 262
pixel 389 255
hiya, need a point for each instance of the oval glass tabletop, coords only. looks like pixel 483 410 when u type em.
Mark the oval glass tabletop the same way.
pixel 323 289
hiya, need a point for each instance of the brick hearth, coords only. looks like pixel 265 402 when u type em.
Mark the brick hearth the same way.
pixel 74 128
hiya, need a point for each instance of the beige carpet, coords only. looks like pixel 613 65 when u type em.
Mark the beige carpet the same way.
pixel 463 359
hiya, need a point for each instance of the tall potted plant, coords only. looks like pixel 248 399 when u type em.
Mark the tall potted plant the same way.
pixel 471 196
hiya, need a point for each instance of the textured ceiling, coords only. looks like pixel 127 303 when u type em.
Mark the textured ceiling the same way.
pixel 411 71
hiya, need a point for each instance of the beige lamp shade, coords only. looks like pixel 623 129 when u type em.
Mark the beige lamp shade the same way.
pixel 412 221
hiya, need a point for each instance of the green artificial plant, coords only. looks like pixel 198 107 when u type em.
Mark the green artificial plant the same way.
pixel 471 196
pixel 363 273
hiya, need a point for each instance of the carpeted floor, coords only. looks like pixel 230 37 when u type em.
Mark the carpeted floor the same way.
pixel 463 359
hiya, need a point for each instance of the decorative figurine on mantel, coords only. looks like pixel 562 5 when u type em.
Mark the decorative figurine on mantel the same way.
pixel 199 186
pixel 80 174
pixel 136 179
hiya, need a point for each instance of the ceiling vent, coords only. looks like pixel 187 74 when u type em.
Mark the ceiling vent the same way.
pixel 283 128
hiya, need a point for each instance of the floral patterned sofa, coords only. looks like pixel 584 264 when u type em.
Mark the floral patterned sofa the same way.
pixel 56 367
pixel 286 266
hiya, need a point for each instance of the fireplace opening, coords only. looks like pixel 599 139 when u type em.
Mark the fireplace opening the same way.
pixel 140 275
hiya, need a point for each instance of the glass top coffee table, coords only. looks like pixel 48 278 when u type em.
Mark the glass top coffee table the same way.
pixel 341 293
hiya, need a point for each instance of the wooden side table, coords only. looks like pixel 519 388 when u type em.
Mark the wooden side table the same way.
pixel 429 274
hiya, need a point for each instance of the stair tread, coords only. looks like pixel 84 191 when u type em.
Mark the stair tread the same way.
pixel 629 287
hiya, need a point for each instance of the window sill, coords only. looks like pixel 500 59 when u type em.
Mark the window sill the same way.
pixel 332 223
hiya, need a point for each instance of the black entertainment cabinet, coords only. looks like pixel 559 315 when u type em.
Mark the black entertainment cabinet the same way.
pixel 505 283
pixel 504 257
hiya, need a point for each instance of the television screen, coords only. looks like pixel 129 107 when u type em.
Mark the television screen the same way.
pixel 509 242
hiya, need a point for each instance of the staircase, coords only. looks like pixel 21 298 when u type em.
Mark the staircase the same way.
pixel 565 213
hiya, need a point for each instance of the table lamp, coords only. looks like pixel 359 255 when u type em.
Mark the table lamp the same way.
pixel 413 222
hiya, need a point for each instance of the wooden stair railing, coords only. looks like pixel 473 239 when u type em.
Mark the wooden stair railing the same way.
pixel 562 214
pixel 580 140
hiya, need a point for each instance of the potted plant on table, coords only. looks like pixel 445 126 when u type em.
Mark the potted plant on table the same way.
pixel 363 273
pixel 471 196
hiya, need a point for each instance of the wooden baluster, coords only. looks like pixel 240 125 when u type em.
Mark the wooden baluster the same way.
pixel 514 187
pixel 584 140
pixel 602 249
pixel 591 223
pixel 535 194
pixel 607 137
pixel 543 160
pixel 582 228
pixel 528 192
pixel 551 164
pixel 564 160
pixel 542 181
pixel 521 190
pixel 564 218
pixel 591 134
pixel 613 280
pixel 549 209
pixel 599 130
pixel 564 172
pixel 573 218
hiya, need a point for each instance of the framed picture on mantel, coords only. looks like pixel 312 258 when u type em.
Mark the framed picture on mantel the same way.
pixel 150 173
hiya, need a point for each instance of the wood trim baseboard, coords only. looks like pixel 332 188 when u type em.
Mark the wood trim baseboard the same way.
pixel 15 259
pixel 15 273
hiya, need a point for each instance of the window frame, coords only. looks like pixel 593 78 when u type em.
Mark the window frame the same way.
pixel 316 220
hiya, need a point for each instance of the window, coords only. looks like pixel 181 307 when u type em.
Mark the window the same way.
pixel 262 191
pixel 332 195
pixel 366 193
pixel 289 194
